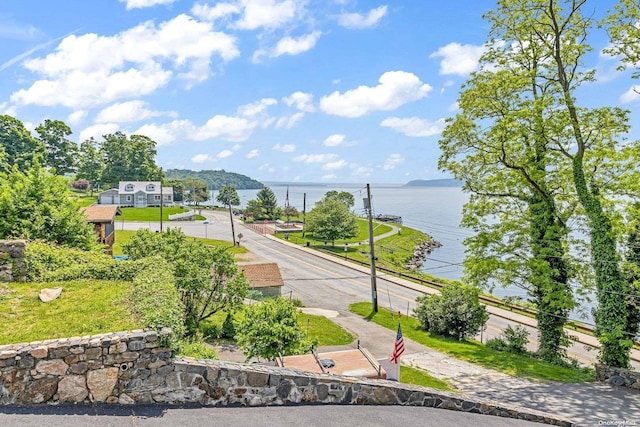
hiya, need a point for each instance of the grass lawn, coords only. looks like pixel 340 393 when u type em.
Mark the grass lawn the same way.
pixel 409 375
pixel 86 307
pixel 324 330
pixel 363 235
pixel 475 352
pixel 123 236
pixel 152 213
pixel 81 200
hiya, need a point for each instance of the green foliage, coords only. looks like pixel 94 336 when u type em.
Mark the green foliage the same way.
pixel 228 328
pixel 128 159
pixel 322 331
pixel 90 163
pixel 207 277
pixel 455 312
pixel 38 205
pixel 513 340
pixel 264 206
pixel 157 302
pixel 624 33
pixel 269 328
pixel 228 196
pixel 216 179
pixel 343 196
pixel 196 191
pixel 61 152
pixel 473 351
pixel 19 147
pixel 331 220
pixel 197 348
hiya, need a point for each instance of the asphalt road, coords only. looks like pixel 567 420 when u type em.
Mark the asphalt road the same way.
pixel 152 416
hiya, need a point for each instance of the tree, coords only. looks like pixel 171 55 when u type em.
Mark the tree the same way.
pixel 4 165
pixel 179 188
pixel 624 33
pixel 271 328
pixel 90 163
pixel 61 152
pixel 207 277
pixel 330 220
pixel 37 205
pixel 19 146
pixel 228 196
pixel 576 153
pixel 128 159
pixel 264 206
pixel 290 211
pixel 196 191
pixel 342 196
pixel 455 312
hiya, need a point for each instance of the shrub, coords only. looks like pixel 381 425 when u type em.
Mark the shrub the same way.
pixel 455 312
pixel 497 343
pixel 196 347
pixel 228 328
pixel 81 184
pixel 516 339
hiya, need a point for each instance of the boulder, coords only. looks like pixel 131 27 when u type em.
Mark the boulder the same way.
pixel 48 295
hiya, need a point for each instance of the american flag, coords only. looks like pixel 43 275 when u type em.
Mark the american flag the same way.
pixel 398 349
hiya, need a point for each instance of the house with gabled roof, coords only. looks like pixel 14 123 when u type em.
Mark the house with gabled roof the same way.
pixel 137 194
pixel 263 277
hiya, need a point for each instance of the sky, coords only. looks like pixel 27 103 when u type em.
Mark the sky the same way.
pixel 330 91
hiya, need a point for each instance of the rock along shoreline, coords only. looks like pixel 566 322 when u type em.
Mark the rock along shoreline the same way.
pixel 420 253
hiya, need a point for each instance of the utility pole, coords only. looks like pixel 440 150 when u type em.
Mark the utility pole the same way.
pixel 374 290
pixel 233 232
pixel 161 201
pixel 304 214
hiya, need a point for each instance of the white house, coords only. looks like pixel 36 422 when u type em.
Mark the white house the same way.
pixel 137 194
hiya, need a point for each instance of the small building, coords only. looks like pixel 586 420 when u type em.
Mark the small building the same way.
pixel 137 194
pixel 354 363
pixel 264 277
pixel 103 219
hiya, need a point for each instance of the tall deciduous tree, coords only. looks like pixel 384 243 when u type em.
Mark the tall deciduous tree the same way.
pixel 37 205
pixel 228 196
pixel 128 159
pixel 19 146
pixel 624 32
pixel 330 220
pixel 196 191
pixel 342 196
pixel 90 163
pixel 61 152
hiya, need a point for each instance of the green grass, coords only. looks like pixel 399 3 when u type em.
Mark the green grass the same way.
pixel 409 375
pixel 363 235
pixel 324 330
pixel 86 307
pixel 152 213
pixel 82 200
pixel 475 352
pixel 123 236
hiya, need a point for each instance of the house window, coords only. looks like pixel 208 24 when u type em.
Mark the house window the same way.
pixel 151 187
pixel 156 197
pixel 128 197
pixel 128 187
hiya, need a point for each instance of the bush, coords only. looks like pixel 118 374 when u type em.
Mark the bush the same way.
pixel 81 184
pixel 196 347
pixel 516 339
pixel 228 329
pixel 456 312
pixel 498 344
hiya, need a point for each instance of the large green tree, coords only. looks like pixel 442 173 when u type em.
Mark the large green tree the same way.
pixel 37 205
pixel 128 159
pixel 264 206
pixel 624 32
pixel 342 196
pixel 330 220
pixel 90 163
pixel 196 191
pixel 61 152
pixel 207 277
pixel 19 146
pixel 228 196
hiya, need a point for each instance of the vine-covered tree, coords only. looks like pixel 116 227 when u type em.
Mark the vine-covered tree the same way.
pixel 19 146
pixel 331 220
pixel 37 205
pixel 61 152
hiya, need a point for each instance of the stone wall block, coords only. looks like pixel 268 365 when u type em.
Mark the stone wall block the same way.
pixel 40 352
pixel 257 379
pixel 93 353
pixel 39 391
pixel 26 362
pixel 79 368
pixel 136 345
pixel 101 383
pixel 52 367
pixel 72 388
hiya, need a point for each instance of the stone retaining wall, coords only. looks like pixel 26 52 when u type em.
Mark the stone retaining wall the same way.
pixel 619 377
pixel 12 264
pixel 131 368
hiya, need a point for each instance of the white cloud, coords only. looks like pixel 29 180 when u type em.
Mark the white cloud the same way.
pixel 167 133
pixel 268 14
pixel 396 88
pixel 96 131
pixel 631 95
pixel 139 4
pixel 225 127
pixel 288 122
pixel 266 167
pixel 285 148
pixel 217 11
pixel 9 110
pixel 460 59
pixel 338 164
pixel 90 70
pixel 255 108
pixel 202 158
pixel 360 21
pixel 130 111
pixel 414 126
pixel 252 154
pixel 301 100
pixel 334 140
pixel 454 107
pixel 329 177
pixel 236 147
pixel 76 117
pixel 224 154
pixel 315 158
pixel 393 161
pixel 361 171
pixel 289 46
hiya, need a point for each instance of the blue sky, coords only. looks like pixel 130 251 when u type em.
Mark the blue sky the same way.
pixel 295 90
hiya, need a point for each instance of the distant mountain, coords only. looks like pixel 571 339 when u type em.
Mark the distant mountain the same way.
pixel 450 182
pixel 216 179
